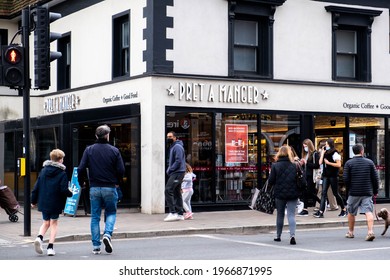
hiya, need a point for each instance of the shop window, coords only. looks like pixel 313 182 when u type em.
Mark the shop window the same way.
pixel 333 127
pixel 251 38
pixel 236 156
pixel 64 63
pixel 42 142
pixel 13 145
pixel 125 135
pixel 196 131
pixel 351 43
pixel 121 45
pixel 276 131
pixel 370 132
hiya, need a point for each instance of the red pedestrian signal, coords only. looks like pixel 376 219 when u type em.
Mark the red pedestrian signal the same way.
pixel 13 66
pixel 13 55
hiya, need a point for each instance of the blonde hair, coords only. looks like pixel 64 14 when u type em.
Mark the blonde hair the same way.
pixel 285 151
pixel 188 168
pixel 56 155
pixel 310 146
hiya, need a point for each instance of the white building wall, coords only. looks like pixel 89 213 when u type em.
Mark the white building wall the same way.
pixel 302 52
pixel 139 91
pixel 152 150
pixel 200 37
pixel 380 49
pixel 91 42
pixel 137 43
pixel 302 41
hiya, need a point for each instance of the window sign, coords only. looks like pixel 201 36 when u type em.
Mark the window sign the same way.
pixel 236 143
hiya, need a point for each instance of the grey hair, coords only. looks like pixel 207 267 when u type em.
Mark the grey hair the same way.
pixel 102 131
pixel 357 148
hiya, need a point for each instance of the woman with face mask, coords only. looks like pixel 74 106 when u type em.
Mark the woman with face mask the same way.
pixel 309 161
pixel 331 162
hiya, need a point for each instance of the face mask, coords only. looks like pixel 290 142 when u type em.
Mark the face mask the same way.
pixel 327 148
pixel 306 149
pixel 170 141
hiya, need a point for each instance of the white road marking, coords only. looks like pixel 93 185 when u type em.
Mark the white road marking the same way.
pixel 289 247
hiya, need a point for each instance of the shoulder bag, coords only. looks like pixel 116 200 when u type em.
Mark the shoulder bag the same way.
pixel 264 199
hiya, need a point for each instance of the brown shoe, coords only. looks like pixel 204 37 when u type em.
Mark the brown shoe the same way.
pixel 370 237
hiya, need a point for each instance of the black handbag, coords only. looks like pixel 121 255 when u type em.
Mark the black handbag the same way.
pixel 301 178
pixel 265 200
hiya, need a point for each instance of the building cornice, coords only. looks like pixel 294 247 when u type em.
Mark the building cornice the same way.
pixel 10 9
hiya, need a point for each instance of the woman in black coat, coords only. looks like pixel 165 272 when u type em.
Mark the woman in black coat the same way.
pixel 283 177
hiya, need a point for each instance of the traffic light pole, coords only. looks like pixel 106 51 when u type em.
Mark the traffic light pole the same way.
pixel 26 119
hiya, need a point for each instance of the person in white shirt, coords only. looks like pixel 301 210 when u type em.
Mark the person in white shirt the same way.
pixel 331 162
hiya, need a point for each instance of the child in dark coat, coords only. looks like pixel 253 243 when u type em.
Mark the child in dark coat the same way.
pixel 50 191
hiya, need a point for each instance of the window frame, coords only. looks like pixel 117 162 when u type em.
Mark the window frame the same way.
pixel 64 64
pixel 263 14
pixel 353 54
pixel 255 46
pixel 360 21
pixel 120 52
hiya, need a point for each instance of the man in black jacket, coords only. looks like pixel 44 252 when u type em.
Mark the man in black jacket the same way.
pixel 106 170
pixel 361 179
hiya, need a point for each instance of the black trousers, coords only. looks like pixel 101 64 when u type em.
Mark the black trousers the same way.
pixel 173 196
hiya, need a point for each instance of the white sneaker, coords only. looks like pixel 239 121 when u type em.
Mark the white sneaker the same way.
pixel 171 217
pixel 96 251
pixel 51 252
pixel 300 207
pixel 38 245
pixel 180 217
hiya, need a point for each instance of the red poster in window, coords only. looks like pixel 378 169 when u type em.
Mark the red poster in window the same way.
pixel 236 143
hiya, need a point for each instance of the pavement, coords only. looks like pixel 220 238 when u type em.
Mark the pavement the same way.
pixel 132 224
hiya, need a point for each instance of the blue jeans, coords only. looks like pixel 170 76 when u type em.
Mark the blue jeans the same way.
pixel 107 198
pixel 281 206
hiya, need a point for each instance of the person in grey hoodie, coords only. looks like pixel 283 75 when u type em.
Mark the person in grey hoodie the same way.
pixel 175 171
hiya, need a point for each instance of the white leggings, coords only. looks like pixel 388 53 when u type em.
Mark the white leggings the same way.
pixel 187 200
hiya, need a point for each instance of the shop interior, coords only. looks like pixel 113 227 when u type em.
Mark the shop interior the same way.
pixel 242 162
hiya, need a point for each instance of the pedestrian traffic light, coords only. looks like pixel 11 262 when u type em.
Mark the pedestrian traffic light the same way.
pixel 12 58
pixel 42 39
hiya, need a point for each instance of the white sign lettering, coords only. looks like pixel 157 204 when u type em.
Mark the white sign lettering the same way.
pixel 62 103
pixel 198 92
